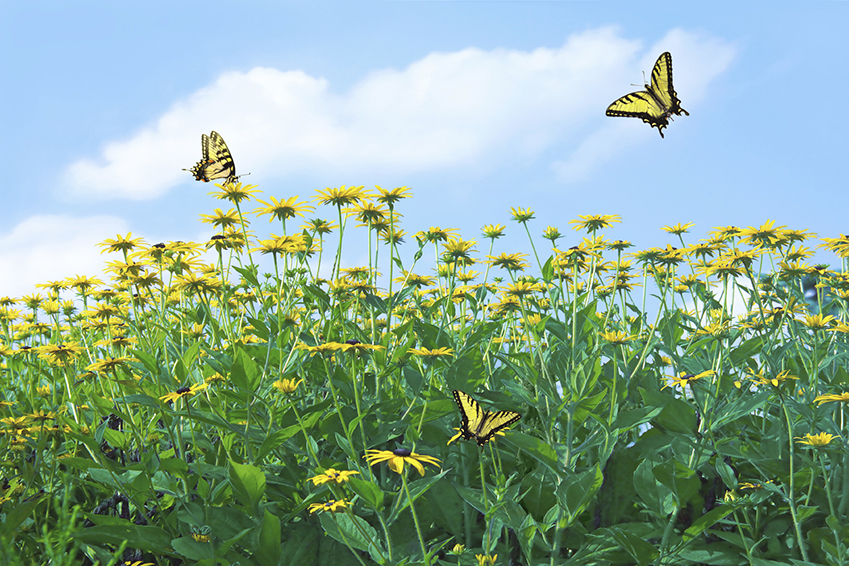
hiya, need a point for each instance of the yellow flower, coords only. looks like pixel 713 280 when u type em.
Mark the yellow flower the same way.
pixel 829 398
pixel 457 549
pixel 333 506
pixel 287 386
pixel 43 391
pixel 332 475
pixel 435 353
pixel 684 379
pixel 397 459
pixel 616 338
pixel 817 321
pixel 184 392
pixel 595 222
pixel 486 559
pixel 820 439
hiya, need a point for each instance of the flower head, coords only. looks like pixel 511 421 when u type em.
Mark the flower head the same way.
pixel 332 475
pixel 397 459
pixel 332 506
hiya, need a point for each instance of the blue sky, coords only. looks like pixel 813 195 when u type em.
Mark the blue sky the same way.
pixel 477 106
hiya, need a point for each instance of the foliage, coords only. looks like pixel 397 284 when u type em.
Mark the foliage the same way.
pixel 205 414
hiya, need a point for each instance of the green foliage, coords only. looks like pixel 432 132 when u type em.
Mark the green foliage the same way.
pixel 225 416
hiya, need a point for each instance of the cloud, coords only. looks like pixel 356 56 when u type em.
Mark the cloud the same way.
pixel 445 111
pixel 51 248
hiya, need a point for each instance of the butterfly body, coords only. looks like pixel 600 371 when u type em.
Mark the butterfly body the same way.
pixel 480 425
pixel 216 161
pixel 657 104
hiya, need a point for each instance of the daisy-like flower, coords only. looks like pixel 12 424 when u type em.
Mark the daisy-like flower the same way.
pixel 522 215
pixel 332 475
pixel 820 439
pixel 684 379
pixel 486 559
pixel 282 210
pixel 184 392
pixel 235 192
pixel 457 549
pixel 843 397
pixel 435 353
pixel 332 506
pixel 138 563
pixel 396 194
pixel 326 348
pixel 511 262
pixel 287 386
pixel 817 321
pixel 617 338
pixel 121 243
pixel 493 231
pixel 595 222
pixel 679 228
pixel 397 459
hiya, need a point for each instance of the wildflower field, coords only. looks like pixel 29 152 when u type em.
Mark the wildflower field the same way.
pixel 191 408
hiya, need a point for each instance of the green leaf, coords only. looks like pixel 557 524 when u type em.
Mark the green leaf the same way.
pixel 370 492
pixel 192 549
pixel 268 542
pixel 576 491
pixel 143 537
pixel 248 484
pixel 20 512
pixel 680 479
pixel 707 520
pixel 341 527
pixel 640 550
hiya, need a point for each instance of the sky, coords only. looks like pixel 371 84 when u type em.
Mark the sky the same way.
pixel 477 106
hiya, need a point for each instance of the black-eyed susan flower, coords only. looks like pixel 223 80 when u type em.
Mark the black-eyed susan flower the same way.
pixel 616 337
pixel 684 379
pixel 843 397
pixel 521 215
pixel 332 475
pixel 486 559
pixel 595 222
pixel 397 459
pixel 287 386
pixel 332 506
pixel 234 192
pixel 493 231
pixel 396 194
pixel 434 353
pixel 821 439
pixel 183 392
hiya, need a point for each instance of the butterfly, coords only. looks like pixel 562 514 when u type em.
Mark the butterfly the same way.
pixel 216 162
pixel 479 424
pixel 656 104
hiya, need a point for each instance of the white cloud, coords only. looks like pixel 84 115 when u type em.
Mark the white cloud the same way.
pixel 446 110
pixel 50 248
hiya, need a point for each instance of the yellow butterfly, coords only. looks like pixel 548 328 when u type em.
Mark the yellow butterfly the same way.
pixel 656 104
pixel 216 163
pixel 479 424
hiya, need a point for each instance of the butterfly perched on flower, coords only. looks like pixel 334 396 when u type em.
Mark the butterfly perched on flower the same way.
pixel 655 105
pixel 216 161
pixel 480 425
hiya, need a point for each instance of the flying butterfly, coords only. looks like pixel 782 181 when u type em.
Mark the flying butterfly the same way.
pixel 478 424
pixel 656 104
pixel 216 161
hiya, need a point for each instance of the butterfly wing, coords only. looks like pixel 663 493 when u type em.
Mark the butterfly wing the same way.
pixel 471 413
pixel 661 86
pixel 479 424
pixel 216 161
pixel 640 105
